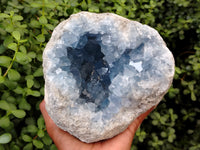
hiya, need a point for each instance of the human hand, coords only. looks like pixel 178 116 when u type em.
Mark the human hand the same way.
pixel 64 141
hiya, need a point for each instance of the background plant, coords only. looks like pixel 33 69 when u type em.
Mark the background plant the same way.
pixel 26 26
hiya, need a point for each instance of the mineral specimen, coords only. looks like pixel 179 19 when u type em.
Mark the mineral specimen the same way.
pixel 101 72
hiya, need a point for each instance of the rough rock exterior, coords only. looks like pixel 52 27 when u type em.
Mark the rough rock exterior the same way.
pixel 101 72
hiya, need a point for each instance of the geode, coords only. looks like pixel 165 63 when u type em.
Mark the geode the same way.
pixel 101 72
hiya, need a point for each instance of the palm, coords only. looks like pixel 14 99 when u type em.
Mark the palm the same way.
pixel 65 141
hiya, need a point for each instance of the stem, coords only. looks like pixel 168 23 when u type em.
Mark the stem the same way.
pixel 10 66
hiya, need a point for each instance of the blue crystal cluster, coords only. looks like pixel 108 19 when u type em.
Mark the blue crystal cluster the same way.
pixel 89 63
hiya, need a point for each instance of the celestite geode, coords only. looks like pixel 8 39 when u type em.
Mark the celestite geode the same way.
pixel 101 72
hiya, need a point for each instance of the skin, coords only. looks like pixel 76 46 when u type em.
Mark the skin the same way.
pixel 64 141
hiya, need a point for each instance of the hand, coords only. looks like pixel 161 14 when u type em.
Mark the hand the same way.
pixel 65 141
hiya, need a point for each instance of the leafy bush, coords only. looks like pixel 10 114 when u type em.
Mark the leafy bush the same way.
pixel 26 26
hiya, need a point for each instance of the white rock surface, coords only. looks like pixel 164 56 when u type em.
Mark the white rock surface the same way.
pixel 138 65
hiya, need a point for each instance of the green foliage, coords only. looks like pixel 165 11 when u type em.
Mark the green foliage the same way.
pixel 25 28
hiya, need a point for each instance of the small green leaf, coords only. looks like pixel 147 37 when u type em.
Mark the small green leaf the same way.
pixel 13 75
pixel 28 146
pixel 32 129
pixel 12 46
pixel 33 93
pixel 19 90
pixel 9 28
pixel 38 144
pixel 35 24
pixel 17 18
pixel 53 147
pixel 5 61
pixel 84 5
pixel 24 105
pixel 26 138
pixel 36 5
pixel 193 97
pixel 40 38
pixel 32 54
pixel 19 113
pixel 16 35
pixel 2 79
pixel 4 105
pixel 22 58
pixel 40 123
pixel 43 20
pixel 23 41
pixel 40 133
pixel 38 72
pixel 47 140
pixel 2 15
pixel 49 26
pixel 4 122
pixel 23 49
pixel 10 84
pixel 5 138
pixel 29 83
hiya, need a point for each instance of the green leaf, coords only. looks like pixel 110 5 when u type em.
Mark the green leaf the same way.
pixel 49 26
pixel 7 41
pixel 36 5
pixel 5 61
pixel 40 38
pixel 32 129
pixel 4 122
pixel 16 35
pixel 53 147
pixel 26 138
pixel 33 93
pixel 13 75
pixel 43 20
pixel 22 49
pixel 2 79
pixel 35 24
pixel 19 113
pixel 12 46
pixel 4 105
pixel 38 144
pixel 2 49
pixel 23 41
pixel 2 15
pixel 22 58
pixel 29 83
pixel 28 146
pixel 17 18
pixel 32 54
pixel 40 133
pixel 40 123
pixel 10 84
pixel 47 140
pixel 38 72
pixel 5 138
pixel 9 28
pixel 19 90
pixel 193 97
pixel 24 105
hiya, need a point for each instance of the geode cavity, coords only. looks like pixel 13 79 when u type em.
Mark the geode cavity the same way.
pixel 101 72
